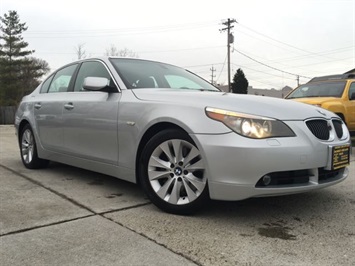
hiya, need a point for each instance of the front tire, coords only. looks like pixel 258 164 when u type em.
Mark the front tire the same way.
pixel 28 149
pixel 172 173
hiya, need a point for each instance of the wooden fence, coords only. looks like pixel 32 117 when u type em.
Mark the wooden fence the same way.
pixel 7 115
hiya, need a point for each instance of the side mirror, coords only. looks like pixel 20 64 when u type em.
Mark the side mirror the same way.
pixel 95 83
pixel 352 96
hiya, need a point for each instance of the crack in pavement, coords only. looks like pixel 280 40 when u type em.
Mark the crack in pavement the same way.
pixel 45 225
pixel 63 196
pixel 93 213
pixel 48 188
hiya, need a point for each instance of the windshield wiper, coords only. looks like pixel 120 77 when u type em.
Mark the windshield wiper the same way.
pixel 196 89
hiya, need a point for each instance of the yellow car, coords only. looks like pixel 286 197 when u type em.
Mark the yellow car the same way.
pixel 335 93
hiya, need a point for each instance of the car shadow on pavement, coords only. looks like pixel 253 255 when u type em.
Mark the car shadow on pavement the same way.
pixel 105 193
pixel 304 204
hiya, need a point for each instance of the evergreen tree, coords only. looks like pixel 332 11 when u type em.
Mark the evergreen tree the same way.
pixel 240 83
pixel 34 69
pixel 11 34
pixel 18 71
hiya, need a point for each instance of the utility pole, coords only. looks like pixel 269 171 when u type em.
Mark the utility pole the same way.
pixel 230 39
pixel 212 75
pixel 298 81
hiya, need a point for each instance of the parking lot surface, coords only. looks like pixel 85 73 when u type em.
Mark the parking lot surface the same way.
pixel 63 215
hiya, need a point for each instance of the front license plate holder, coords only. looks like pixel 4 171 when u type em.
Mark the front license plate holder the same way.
pixel 340 156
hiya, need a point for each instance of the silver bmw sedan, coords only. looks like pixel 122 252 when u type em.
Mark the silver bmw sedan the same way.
pixel 176 135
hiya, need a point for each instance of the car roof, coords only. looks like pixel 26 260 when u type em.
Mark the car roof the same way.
pixel 333 77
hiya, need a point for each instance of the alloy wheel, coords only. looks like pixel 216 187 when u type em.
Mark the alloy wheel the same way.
pixel 27 146
pixel 176 172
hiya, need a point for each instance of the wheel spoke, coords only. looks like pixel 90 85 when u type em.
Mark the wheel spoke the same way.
pixel 165 148
pixel 156 162
pixel 163 191
pixel 24 150
pixel 156 175
pixel 30 155
pixel 195 166
pixel 25 137
pixel 175 193
pixel 191 195
pixel 192 155
pixel 177 146
pixel 24 145
pixel 197 183
pixel 28 137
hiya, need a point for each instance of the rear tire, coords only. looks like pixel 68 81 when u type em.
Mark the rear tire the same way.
pixel 172 173
pixel 28 149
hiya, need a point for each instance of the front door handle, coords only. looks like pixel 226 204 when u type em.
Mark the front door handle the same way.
pixel 38 105
pixel 69 106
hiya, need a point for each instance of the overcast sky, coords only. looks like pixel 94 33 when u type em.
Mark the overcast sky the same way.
pixel 273 38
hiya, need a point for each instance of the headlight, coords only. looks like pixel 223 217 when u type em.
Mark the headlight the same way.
pixel 250 126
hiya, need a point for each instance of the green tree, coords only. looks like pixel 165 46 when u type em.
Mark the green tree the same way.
pixel 31 73
pixel 240 83
pixel 18 71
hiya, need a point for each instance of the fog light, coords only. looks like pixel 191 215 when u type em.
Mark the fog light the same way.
pixel 266 180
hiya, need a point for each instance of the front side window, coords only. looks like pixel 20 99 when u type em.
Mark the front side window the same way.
pixel 148 74
pixel 323 89
pixel 351 90
pixel 62 79
pixel 90 69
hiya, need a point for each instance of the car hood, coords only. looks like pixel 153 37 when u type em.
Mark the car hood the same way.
pixel 256 105
pixel 315 100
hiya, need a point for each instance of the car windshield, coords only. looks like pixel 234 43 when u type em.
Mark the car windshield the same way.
pixel 147 74
pixel 324 89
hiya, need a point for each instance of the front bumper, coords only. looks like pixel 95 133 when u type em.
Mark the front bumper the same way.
pixel 235 164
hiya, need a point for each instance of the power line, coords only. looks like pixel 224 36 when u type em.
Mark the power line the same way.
pixel 115 32
pixel 222 69
pixel 241 66
pixel 204 65
pixel 327 52
pixel 177 50
pixel 286 44
pixel 296 75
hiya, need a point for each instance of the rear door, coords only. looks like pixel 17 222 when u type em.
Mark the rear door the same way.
pixel 90 117
pixel 48 108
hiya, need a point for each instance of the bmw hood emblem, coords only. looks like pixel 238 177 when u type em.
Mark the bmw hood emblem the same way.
pixel 321 112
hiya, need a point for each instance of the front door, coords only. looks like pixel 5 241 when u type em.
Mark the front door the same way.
pixel 90 118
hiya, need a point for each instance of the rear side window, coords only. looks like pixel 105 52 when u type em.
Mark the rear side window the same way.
pixel 62 79
pixel 46 84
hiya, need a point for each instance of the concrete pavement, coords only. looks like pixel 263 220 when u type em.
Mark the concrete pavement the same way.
pixel 68 216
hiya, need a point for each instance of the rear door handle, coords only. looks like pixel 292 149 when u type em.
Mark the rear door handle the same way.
pixel 69 106
pixel 38 105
